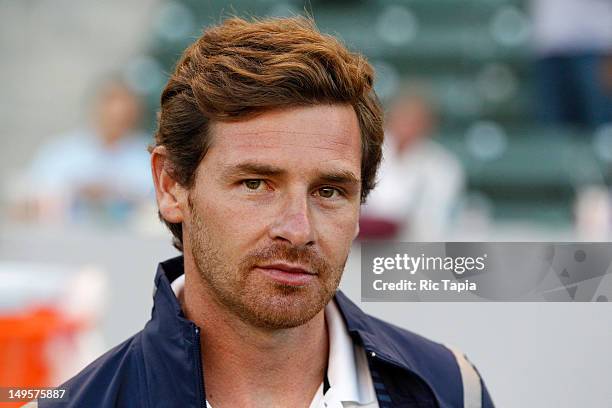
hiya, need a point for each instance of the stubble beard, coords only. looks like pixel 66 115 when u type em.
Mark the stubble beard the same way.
pixel 254 298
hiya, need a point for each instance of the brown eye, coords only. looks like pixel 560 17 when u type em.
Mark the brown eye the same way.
pixel 327 192
pixel 252 184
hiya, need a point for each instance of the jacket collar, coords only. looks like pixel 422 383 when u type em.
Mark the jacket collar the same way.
pixel 170 341
pixel 368 330
pixel 403 349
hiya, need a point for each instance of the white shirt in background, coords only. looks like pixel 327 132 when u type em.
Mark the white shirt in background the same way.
pixel 420 188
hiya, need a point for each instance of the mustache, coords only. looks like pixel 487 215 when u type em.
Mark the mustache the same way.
pixel 285 253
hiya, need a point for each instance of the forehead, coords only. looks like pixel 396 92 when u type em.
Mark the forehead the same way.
pixel 302 137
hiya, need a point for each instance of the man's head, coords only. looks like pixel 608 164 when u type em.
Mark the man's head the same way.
pixel 411 116
pixel 269 139
pixel 116 111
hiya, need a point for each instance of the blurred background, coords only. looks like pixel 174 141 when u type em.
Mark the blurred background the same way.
pixel 498 128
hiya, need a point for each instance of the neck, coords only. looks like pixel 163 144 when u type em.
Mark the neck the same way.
pixel 253 366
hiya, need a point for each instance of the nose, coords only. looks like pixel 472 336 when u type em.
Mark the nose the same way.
pixel 294 222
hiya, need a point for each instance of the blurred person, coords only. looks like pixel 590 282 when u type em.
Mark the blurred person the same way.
pixel 268 141
pixel 420 182
pixel 572 41
pixel 593 213
pixel 100 171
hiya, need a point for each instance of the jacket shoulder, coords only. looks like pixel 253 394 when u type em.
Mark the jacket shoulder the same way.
pixel 436 363
pixel 113 379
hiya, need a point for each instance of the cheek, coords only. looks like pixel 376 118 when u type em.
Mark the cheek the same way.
pixel 336 233
pixel 234 223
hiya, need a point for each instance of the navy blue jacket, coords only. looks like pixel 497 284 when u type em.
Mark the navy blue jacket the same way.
pixel 161 365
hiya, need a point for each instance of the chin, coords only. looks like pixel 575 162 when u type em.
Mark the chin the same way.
pixel 287 308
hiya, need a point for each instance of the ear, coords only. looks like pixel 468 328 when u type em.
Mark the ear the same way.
pixel 171 196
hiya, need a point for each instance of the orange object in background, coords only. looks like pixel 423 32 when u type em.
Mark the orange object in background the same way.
pixel 26 339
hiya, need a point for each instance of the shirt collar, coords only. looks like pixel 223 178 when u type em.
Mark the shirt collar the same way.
pixel 347 370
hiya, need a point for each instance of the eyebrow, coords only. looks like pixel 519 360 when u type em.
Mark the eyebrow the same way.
pixel 340 177
pixel 246 168
pixel 262 169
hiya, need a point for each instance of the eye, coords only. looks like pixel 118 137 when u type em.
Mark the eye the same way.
pixel 252 184
pixel 328 192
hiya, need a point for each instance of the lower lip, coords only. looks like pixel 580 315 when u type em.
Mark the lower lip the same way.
pixel 287 278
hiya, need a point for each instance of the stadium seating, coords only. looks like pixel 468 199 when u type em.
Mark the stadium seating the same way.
pixel 475 54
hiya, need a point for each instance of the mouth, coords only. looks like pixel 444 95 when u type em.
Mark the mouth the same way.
pixel 287 274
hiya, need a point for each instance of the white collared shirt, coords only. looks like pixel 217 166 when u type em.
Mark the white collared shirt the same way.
pixel 348 373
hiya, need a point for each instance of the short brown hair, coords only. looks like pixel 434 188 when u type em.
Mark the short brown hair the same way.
pixel 241 68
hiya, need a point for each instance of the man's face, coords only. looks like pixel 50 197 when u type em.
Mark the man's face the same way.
pixel 117 113
pixel 410 120
pixel 274 210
